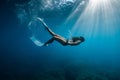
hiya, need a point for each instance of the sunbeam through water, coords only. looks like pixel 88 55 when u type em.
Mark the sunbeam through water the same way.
pixel 99 18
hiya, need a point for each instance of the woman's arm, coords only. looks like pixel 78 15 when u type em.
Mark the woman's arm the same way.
pixel 70 42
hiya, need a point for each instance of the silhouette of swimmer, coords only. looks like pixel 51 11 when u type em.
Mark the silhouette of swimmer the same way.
pixel 55 37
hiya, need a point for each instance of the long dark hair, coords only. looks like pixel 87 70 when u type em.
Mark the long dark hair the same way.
pixel 82 38
pixel 78 38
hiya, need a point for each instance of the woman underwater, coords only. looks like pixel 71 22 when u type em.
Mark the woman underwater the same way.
pixel 55 37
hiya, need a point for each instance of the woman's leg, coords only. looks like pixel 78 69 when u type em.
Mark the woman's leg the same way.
pixel 61 40
pixel 50 31
pixel 47 28
pixel 49 41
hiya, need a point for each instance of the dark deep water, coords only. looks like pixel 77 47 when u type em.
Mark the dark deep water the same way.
pixel 20 59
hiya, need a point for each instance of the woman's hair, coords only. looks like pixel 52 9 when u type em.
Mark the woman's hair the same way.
pixel 75 39
pixel 82 38
pixel 78 38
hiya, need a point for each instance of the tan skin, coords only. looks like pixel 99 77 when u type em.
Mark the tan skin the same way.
pixel 60 39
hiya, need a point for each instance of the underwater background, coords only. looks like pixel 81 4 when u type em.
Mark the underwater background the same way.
pixel 98 58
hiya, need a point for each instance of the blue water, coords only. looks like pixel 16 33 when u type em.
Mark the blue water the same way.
pixel 98 58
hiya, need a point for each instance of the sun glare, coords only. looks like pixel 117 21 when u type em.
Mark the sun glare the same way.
pixel 98 18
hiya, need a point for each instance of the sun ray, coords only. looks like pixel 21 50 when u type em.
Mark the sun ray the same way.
pixel 100 17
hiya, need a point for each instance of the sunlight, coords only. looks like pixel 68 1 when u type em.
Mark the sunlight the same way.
pixel 99 18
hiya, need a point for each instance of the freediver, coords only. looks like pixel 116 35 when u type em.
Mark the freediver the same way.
pixel 55 37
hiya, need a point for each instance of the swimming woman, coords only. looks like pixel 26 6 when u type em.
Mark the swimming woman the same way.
pixel 55 37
